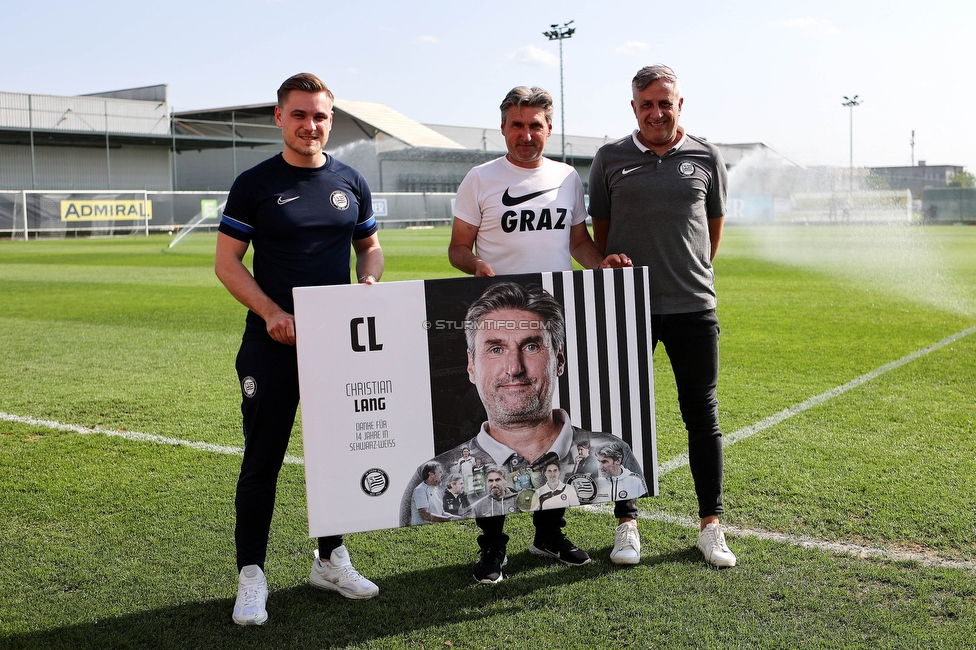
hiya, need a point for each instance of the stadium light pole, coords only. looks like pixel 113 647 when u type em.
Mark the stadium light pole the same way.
pixel 561 33
pixel 851 102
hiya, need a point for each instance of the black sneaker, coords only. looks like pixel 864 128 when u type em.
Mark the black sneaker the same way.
pixel 562 549
pixel 488 570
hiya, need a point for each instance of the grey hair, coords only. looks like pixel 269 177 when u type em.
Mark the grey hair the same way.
pixel 651 73
pixel 534 97
pixel 509 295
pixel 612 450
pixel 496 469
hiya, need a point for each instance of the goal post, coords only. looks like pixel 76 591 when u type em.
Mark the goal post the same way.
pixel 89 213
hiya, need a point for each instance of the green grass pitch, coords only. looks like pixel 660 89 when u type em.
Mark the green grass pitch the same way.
pixel 852 516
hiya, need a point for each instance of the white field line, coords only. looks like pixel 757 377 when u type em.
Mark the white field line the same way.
pixel 925 559
pixel 737 436
pixel 928 558
pixel 135 435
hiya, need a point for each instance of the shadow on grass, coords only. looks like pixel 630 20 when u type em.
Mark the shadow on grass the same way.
pixel 303 616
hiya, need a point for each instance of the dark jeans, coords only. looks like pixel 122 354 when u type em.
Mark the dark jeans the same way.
pixel 548 524
pixel 269 414
pixel 691 343
pixel 625 509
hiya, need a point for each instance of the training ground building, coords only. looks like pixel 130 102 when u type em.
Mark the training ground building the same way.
pixel 122 161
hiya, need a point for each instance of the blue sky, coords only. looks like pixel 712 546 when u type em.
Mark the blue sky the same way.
pixel 751 71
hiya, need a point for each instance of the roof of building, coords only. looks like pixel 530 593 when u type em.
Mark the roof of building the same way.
pixel 371 117
pixel 395 124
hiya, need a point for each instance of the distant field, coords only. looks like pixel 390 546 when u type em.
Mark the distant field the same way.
pixel 847 400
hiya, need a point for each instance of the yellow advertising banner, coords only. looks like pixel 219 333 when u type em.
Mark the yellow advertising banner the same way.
pixel 106 210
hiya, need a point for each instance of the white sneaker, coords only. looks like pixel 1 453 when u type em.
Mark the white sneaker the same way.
pixel 711 542
pixel 252 595
pixel 626 544
pixel 339 575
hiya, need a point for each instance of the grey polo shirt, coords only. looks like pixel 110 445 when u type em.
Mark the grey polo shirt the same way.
pixel 658 208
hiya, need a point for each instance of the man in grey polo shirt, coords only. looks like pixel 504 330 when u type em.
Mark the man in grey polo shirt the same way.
pixel 659 195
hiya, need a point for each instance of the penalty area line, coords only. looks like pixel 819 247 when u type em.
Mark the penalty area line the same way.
pixel 135 436
pixel 926 559
pixel 929 559
pixel 681 460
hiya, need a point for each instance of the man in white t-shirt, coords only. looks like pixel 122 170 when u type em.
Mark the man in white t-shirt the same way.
pixel 524 213
pixel 427 498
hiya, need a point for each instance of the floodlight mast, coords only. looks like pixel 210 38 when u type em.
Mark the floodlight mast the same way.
pixel 851 102
pixel 561 33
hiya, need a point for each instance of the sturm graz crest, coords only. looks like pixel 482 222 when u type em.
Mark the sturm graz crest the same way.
pixel 249 386
pixel 374 482
pixel 584 486
pixel 339 200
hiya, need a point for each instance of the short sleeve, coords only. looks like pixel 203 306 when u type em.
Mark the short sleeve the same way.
pixel 716 200
pixel 599 193
pixel 466 205
pixel 579 200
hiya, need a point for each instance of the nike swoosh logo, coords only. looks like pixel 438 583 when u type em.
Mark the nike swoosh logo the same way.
pixel 282 201
pixel 632 169
pixel 509 200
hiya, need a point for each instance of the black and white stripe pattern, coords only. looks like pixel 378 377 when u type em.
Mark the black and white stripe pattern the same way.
pixel 609 380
